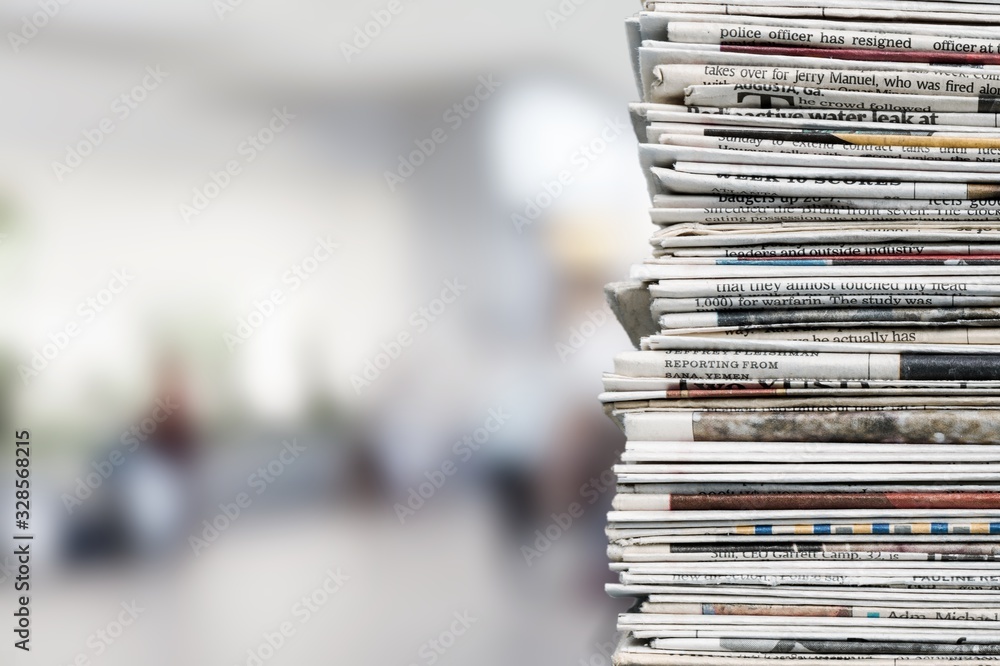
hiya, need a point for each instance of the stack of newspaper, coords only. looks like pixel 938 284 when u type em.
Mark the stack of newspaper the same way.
pixel 813 412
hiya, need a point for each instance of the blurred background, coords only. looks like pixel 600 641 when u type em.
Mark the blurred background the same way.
pixel 302 307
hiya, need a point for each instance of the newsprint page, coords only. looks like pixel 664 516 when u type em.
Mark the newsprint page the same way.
pixel 813 405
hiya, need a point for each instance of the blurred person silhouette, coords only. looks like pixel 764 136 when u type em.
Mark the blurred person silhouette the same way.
pixel 146 505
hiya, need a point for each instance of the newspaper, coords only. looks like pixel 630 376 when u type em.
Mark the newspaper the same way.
pixel 680 363
pixel 815 213
pixel 814 594
pixel 725 394
pixel 770 473
pixel 749 611
pixel 783 489
pixel 811 468
pixel 654 272
pixel 727 237
pixel 656 26
pixel 953 426
pixel 974 6
pixel 982 285
pixel 888 187
pixel 740 302
pixel 806 119
pixel 668 135
pixel 958 356
pixel 845 552
pixel 666 201
pixel 814 402
pixel 809 500
pixel 806 35
pixel 974 119
pixel 776 95
pixel 971 137
pixel 806 250
pixel 832 318
pixel 733 394
pixel 836 259
pixel 916 161
pixel 623 385
pixel 852 647
pixel 672 81
pixel 944 81
pixel 946 620
pixel 816 452
pixel 912 13
pixel 839 172
pixel 829 9
pixel 652 55
pixel 620 390
pixel 860 579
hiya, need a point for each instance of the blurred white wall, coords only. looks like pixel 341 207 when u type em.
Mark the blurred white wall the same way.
pixel 70 226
